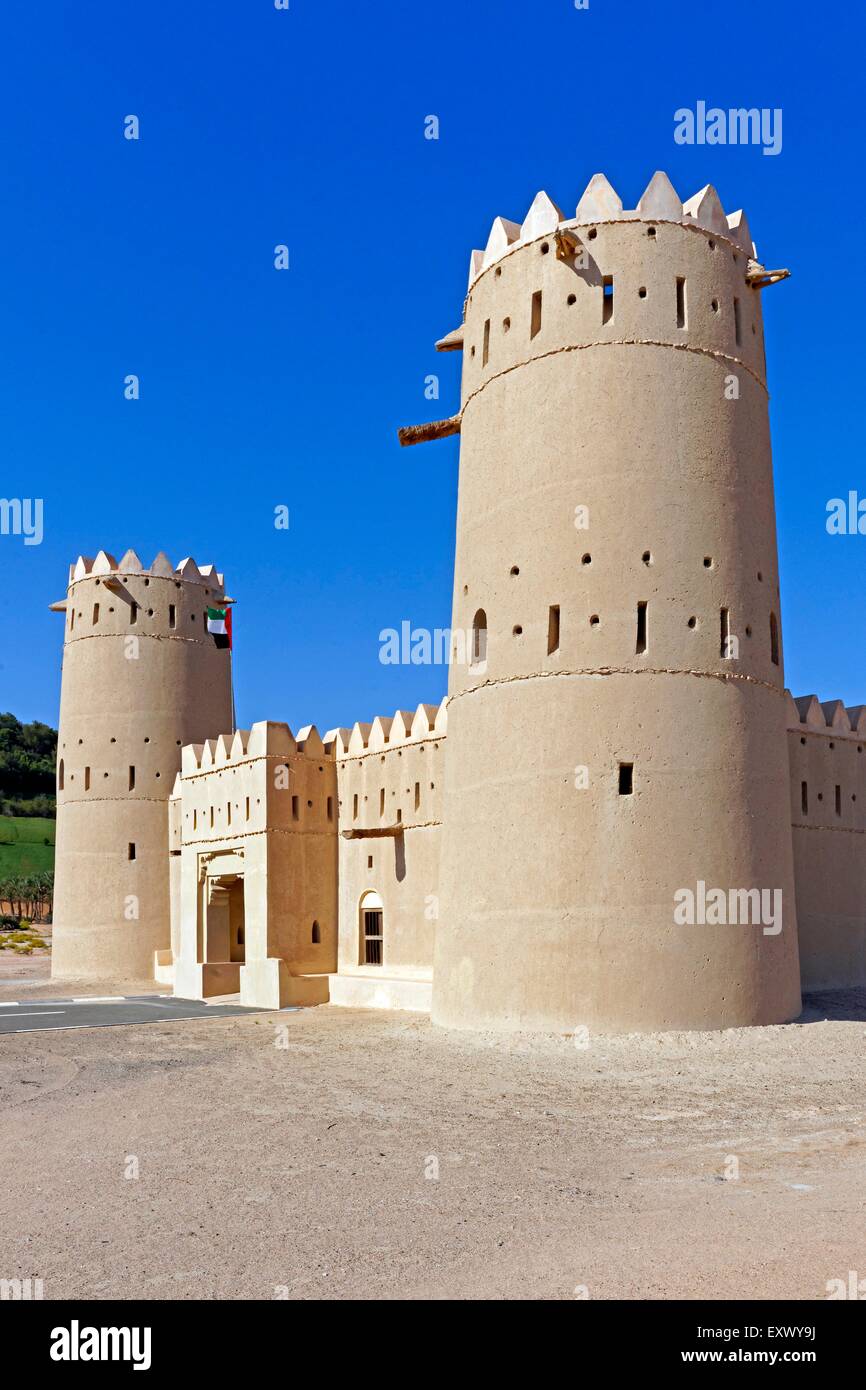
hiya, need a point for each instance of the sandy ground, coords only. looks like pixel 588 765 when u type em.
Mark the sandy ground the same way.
pixel 303 1167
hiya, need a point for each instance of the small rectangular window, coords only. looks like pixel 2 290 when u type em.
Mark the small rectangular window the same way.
pixel 195 820
pixel 133 613
pixel 607 299
pixel 295 808
pixel 71 619
pixel 553 629
pixel 681 302
pixel 247 809
pixel 535 321
pixel 211 818
pixel 838 800
pixel 382 802
pixel 355 806
pixel 131 778
pixel 228 813
pixel 130 853
pixel 87 779
pixel 369 861
pixel 774 639
pixel 172 615
pixel 724 634
pixel 640 643
pixel 485 349
pixel 373 937
pixel 96 612
pixel 738 331
pixel 330 808
pixel 804 798
pixel 417 795
pixel 626 779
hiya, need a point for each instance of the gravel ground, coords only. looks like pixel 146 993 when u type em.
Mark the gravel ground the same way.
pixel 334 1153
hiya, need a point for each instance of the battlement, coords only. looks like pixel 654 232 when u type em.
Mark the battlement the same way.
pixel 104 564
pixel 428 721
pixel 600 203
pixel 266 738
pixel 829 716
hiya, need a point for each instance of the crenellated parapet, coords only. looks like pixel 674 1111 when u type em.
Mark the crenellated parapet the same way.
pixel 808 714
pixel 264 739
pixel 386 732
pixel 104 566
pixel 599 204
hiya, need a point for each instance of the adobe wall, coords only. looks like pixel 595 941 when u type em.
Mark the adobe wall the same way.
pixel 262 805
pixel 827 751
pixel 390 774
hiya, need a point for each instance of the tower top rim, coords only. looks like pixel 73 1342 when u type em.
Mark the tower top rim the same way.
pixel 600 203
pixel 105 564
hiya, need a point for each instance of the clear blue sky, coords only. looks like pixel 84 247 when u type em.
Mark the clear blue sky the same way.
pixel 261 388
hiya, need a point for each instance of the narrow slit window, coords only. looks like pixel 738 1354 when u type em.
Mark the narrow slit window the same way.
pixel 71 619
pixel 87 779
pixel 838 800
pixel 295 808
pixel 195 820
pixel 607 299
pixel 96 613
pixel 355 806
pixel 738 329
pixel 330 808
pixel 724 633
pixel 417 795
pixel 316 934
pixel 131 778
pixel 172 615
pixel 228 813
pixel 626 779
pixel 681 302
pixel 133 613
pixel 804 798
pixel 485 349
pixel 211 818
pixel 553 629
pixel 247 809
pixel 382 801
pixel 774 639
pixel 640 644
pixel 130 852
pixel 535 321
pixel 479 638
pixel 60 776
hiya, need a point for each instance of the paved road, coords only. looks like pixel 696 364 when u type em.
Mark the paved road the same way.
pixel 36 1015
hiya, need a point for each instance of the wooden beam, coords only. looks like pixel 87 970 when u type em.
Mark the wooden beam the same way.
pixel 379 832
pixel 436 429
pixel 759 277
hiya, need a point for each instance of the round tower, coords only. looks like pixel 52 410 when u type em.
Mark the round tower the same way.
pixel 142 676
pixel 616 737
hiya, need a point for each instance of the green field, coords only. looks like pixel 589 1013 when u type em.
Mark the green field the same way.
pixel 22 845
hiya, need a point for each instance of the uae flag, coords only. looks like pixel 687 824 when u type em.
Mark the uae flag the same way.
pixel 219 625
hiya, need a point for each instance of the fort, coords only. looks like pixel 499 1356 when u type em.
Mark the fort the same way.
pixel 448 858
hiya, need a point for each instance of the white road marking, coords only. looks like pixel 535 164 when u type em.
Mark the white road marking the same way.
pixel 43 1013
pixel 102 999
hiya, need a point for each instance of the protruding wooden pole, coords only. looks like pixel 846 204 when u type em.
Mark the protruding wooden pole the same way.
pixel 436 429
